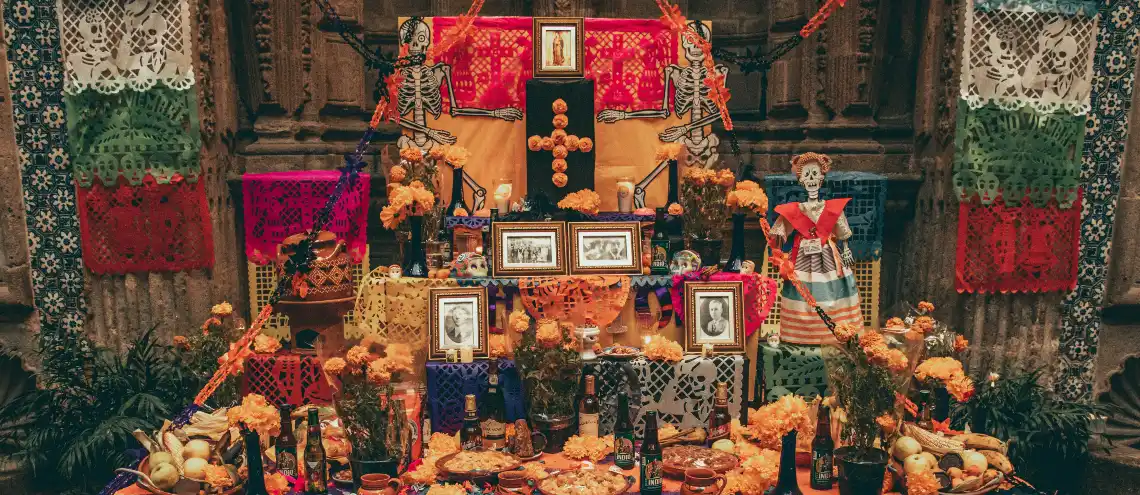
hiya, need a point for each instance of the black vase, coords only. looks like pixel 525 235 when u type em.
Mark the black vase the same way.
pixel 390 467
pixel 456 193
pixel 941 404
pixel 786 484
pixel 861 470
pixel 674 181
pixel 415 261
pixel 736 253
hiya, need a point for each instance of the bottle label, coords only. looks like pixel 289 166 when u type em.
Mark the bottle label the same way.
pixel 493 429
pixel 821 468
pixel 315 476
pixel 470 445
pixel 588 424
pixel 493 380
pixel 650 474
pixel 660 255
pixel 718 432
pixel 287 463
pixel 623 451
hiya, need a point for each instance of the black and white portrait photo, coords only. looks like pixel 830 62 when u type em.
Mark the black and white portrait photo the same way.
pixel 714 315
pixel 609 248
pixel 604 249
pixel 714 322
pixel 529 250
pixel 458 320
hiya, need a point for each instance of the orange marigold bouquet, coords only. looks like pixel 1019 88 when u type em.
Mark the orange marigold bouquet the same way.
pixel 549 363
pixel 755 475
pixel 748 197
pixel 364 399
pixel 774 420
pixel 865 372
pixel 948 371
pixel 659 348
pixel 704 199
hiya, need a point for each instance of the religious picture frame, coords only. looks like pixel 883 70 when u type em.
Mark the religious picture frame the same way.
pixel 457 318
pixel 524 249
pixel 714 315
pixel 605 248
pixel 558 46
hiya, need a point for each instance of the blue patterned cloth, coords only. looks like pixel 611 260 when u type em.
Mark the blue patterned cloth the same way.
pixel 448 383
pixel 868 193
pixel 1067 7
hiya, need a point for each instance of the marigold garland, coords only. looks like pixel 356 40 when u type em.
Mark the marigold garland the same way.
pixel 571 142
pixel 560 151
pixel 585 144
pixel 559 106
pixel 559 179
pixel 558 165
pixel 559 136
pixel 660 348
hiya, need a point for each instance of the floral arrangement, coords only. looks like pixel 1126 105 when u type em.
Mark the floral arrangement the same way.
pixel 201 350
pixel 559 143
pixel 549 364
pixel 949 372
pixel 588 448
pixel 748 197
pixel 584 201
pixel 704 195
pixel 865 374
pixel 413 199
pixel 774 420
pixel 257 414
pixel 376 433
pixel 659 348
pixel 498 346
pixel 265 344
pixel 755 475
pixel 670 152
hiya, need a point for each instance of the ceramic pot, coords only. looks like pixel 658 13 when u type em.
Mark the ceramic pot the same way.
pixel 701 481
pixel 362 468
pixel 861 470
pixel 378 484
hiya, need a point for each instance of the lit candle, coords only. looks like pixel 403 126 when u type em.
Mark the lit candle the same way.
pixel 645 339
pixel 452 356
pixel 625 194
pixel 706 350
pixel 466 354
pixel 503 195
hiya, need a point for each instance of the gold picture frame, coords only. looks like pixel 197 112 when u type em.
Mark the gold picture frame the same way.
pixel 553 36
pixel 449 328
pixel 605 248
pixel 705 321
pixel 528 249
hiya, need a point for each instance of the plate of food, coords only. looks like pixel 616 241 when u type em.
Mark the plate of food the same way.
pixel 676 459
pixel 585 482
pixel 620 352
pixel 474 464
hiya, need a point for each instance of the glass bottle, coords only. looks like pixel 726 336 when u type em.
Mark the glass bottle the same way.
pixel 415 262
pixel 926 407
pixel 786 484
pixel 456 193
pixel 492 416
pixel 736 254
pixel 822 452
pixel 720 422
pixel 588 410
pixel 659 245
pixel 255 485
pixel 286 446
pixel 471 435
pixel 623 435
pixel 316 471
pixel 651 458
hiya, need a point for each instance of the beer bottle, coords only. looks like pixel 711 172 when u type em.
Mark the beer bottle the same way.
pixel 316 471
pixel 926 406
pixel 588 410
pixel 492 417
pixel 822 452
pixel 720 422
pixel 255 485
pixel 286 446
pixel 471 435
pixel 659 246
pixel 623 435
pixel 650 458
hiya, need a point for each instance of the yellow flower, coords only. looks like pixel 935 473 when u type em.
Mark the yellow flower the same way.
pixel 924 324
pixel 548 333
pixel 534 143
pixel 960 343
pixel 498 343
pixel 256 414
pixel 378 372
pixel 662 349
pixel 391 216
pixel 747 185
pixel 334 366
pixel 589 448
pixel 411 154
pixel 755 475
pixel 922 482
pixel 276 484
pixel 845 331
pixel 897 361
pixel 871 338
pixel 559 179
pixel 585 201
pixel 456 156
pixel 940 368
pixel 776 419
pixel 358 355
pixel 222 309
pixel 181 342
pixel 560 121
pixel 585 144
pixel 675 209
pixel 559 106
pixel 725 178
pixel 264 344
pixel 961 387
pixel 397 174
pixel 519 321
pixel 547 143
pixel 894 322
pixel 571 142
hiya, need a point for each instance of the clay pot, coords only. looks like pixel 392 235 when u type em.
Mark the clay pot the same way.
pixel 701 481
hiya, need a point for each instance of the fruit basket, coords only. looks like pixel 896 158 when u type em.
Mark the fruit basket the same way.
pixel 964 464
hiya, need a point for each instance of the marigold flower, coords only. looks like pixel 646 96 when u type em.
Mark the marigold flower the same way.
pixel 218 477
pixel 922 482
pixel 960 343
pixel 397 174
pixel 925 306
pixel 585 144
pixel 547 143
pixel 378 372
pixel 459 212
pixel 181 342
pixel 559 179
pixel 894 322
pixel 558 165
pixel 256 414
pixel 559 136
pixel 264 344
pixel 939 368
pixel 411 154
pixel 897 361
pixel 560 150
pixel 669 151
pixel 755 475
pixel 438 152
pixel 548 333
pixel 924 324
pixel 358 355
pixel 845 331
pixel 961 387
pixel 871 338
pixel 456 156
pixel 725 178
pixel 675 209
pixel 887 423
pixel 519 321
pixel 560 121
pixel 498 346
pixel 662 349
pixel 559 106
pixel 276 484
pixel 571 143
pixel 534 143
pixel 398 358
pixel 776 419
pixel 585 201
pixel 747 185
pixel 222 309
pixel 334 366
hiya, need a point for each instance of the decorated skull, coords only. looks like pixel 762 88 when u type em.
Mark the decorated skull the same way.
pixel 395 271
pixel 417 34
pixel 748 267
pixel 1014 189
pixel 684 262
pixel 1067 192
pixel 811 177
pixel 693 52
pixel 987 188
pixel 470 265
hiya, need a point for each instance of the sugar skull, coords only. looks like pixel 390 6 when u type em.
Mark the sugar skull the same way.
pixel 964 184
pixel 684 262
pixel 395 272
pixel 811 177
pixel 987 187
pixel 748 267
pixel 470 265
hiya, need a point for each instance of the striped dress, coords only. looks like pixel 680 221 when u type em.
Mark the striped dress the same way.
pixel 819 224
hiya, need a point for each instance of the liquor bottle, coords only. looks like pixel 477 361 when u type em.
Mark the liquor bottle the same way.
pixel 822 452
pixel 425 421
pixel 255 485
pixel 588 410
pixel 720 422
pixel 623 435
pixel 650 457
pixel 926 408
pixel 471 436
pixel 492 417
pixel 659 245
pixel 316 472
pixel 287 444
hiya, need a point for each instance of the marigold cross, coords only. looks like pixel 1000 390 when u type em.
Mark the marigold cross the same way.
pixel 559 143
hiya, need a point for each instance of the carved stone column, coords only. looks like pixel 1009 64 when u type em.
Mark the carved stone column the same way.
pixel 562 8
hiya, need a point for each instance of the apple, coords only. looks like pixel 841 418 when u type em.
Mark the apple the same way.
pixel 164 476
pixel 160 458
pixel 195 468
pixel 906 447
pixel 198 449
pixel 973 462
pixel 916 463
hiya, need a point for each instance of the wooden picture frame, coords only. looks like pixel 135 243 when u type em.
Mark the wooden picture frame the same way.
pixel 705 321
pixel 525 249
pixel 553 38
pixel 449 328
pixel 605 248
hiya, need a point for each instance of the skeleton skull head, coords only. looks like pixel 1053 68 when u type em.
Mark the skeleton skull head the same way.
pixel 1066 192
pixel 811 177
pixel 748 267
pixel 395 272
pixel 476 266
pixel 417 35
pixel 987 188
pixel 693 52
pixel 964 184
pixel 684 262
pixel 1014 189
pixel 1041 190
pixel 93 30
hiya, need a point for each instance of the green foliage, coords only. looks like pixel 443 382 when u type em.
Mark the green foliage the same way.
pixel 367 412
pixel 864 391
pixel 550 375
pixel 200 359
pixel 1047 435
pixel 70 432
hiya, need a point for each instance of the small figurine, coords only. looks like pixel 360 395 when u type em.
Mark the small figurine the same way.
pixel 395 272
pixel 748 267
pixel 684 262
pixel 470 265
pixel 587 337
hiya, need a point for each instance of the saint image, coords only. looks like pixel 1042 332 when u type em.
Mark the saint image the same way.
pixel 558 49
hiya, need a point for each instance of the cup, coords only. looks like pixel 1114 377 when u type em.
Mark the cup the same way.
pixel 625 189
pixel 379 484
pixel 702 481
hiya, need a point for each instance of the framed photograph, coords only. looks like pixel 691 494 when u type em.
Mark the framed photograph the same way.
pixel 558 47
pixel 714 315
pixel 458 318
pixel 605 248
pixel 524 249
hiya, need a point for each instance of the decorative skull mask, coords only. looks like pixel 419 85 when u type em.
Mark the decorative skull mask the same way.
pixel 693 53
pixel 417 34
pixel 1014 189
pixel 987 187
pixel 684 262
pixel 964 184
pixel 811 177
pixel 395 272
pixel 470 265
pixel 748 267
pixel 1041 190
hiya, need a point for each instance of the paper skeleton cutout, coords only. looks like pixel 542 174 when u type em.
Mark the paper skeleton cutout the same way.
pixel 691 96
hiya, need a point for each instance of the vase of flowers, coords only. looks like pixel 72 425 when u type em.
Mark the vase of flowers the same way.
pixel 746 198
pixel 786 484
pixel 703 199
pixel 374 421
pixel 549 364
pixel 415 261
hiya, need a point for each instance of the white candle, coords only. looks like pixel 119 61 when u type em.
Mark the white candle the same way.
pixel 625 196
pixel 503 198
pixel 466 354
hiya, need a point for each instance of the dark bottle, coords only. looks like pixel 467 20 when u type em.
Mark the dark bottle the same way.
pixel 415 261
pixel 456 192
pixel 255 485
pixel 786 483
pixel 822 452
pixel 623 435
pixel 316 471
pixel 650 457
pixel 659 246
pixel 424 429
pixel 736 254
pixel 720 422
pixel 925 408
pixel 471 436
pixel 287 444
pixel 492 414
pixel 588 410
pixel 489 241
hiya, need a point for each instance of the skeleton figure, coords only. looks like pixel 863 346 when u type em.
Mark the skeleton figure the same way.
pixel 1002 70
pixel 691 96
pixel 152 60
pixel 420 94
pixel 94 60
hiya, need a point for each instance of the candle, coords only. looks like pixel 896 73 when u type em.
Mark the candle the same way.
pixel 452 356
pixel 466 354
pixel 503 191
pixel 645 339
pixel 625 194
pixel 706 350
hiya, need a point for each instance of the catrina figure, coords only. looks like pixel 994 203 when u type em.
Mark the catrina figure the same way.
pixel 821 255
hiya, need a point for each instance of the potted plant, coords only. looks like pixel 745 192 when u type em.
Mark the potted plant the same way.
pixel 865 373
pixel 549 363
pixel 373 421
pixel 704 196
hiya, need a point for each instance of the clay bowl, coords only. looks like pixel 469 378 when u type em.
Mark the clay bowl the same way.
pixel 542 484
pixel 185 486
pixel 477 475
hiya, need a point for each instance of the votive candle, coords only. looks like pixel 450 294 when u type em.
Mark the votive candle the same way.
pixel 466 354
pixel 503 190
pixel 625 189
pixel 452 356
